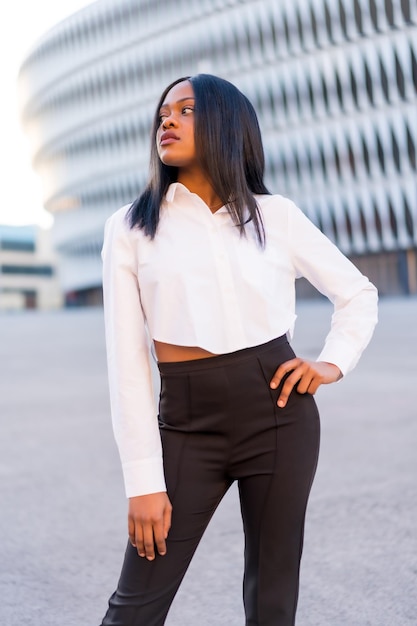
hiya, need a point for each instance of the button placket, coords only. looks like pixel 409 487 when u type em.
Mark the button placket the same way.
pixel 230 309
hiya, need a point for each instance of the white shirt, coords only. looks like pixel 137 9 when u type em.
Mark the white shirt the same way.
pixel 199 283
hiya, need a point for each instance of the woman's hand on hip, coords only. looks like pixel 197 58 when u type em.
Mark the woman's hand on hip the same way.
pixel 149 520
pixel 306 375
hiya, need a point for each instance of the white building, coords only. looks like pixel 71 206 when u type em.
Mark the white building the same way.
pixel 28 272
pixel 334 83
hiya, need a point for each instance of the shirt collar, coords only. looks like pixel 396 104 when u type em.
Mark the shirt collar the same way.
pixel 176 189
pixel 172 190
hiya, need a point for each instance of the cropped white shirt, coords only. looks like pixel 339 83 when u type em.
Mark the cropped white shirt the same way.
pixel 199 283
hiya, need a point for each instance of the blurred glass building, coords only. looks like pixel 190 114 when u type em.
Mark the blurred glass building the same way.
pixel 334 83
pixel 28 276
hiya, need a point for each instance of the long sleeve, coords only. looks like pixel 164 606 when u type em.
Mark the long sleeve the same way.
pixel 132 401
pixel 354 297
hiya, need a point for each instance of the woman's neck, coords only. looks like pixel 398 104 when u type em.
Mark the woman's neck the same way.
pixel 197 182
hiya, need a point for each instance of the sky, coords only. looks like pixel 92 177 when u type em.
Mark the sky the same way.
pixel 22 23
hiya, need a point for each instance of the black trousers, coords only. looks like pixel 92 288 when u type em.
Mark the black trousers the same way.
pixel 220 423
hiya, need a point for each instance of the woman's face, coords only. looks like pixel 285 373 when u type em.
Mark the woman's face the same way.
pixel 175 135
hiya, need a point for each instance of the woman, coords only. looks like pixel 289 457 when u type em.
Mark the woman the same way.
pixel 204 263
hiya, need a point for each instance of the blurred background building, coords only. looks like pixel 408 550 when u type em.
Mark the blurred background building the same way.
pixel 334 83
pixel 28 275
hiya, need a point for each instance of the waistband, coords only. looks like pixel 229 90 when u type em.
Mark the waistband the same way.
pixel 220 360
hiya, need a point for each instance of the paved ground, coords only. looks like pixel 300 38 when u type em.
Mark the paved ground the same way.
pixel 62 517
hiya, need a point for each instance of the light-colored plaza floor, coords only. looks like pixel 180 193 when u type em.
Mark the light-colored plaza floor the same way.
pixel 62 516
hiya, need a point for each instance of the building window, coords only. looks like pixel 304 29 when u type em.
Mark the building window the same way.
pixel 409 222
pixel 17 246
pixel 400 77
pixel 411 149
pixel 29 270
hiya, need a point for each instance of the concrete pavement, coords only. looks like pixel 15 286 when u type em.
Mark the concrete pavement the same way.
pixel 62 520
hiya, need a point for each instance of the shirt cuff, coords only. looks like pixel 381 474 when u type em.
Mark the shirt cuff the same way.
pixel 144 477
pixel 341 354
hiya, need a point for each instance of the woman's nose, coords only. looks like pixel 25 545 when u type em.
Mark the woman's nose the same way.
pixel 168 122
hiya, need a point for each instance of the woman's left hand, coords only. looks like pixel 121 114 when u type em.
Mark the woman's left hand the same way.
pixel 307 375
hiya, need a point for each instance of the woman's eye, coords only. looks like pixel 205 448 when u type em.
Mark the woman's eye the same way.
pixel 188 109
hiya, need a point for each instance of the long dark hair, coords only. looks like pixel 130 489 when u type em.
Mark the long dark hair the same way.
pixel 229 146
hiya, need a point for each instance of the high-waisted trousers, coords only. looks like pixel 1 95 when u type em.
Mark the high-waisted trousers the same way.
pixel 220 423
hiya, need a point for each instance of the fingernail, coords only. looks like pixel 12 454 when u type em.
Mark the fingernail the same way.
pixel 150 558
pixel 281 403
pixel 273 385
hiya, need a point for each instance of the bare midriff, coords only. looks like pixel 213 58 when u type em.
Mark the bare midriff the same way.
pixel 167 352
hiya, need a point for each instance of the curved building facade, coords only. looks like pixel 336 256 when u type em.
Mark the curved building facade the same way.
pixel 334 83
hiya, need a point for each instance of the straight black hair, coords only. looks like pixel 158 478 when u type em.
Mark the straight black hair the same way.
pixel 229 146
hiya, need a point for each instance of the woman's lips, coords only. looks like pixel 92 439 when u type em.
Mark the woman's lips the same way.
pixel 165 142
pixel 167 138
